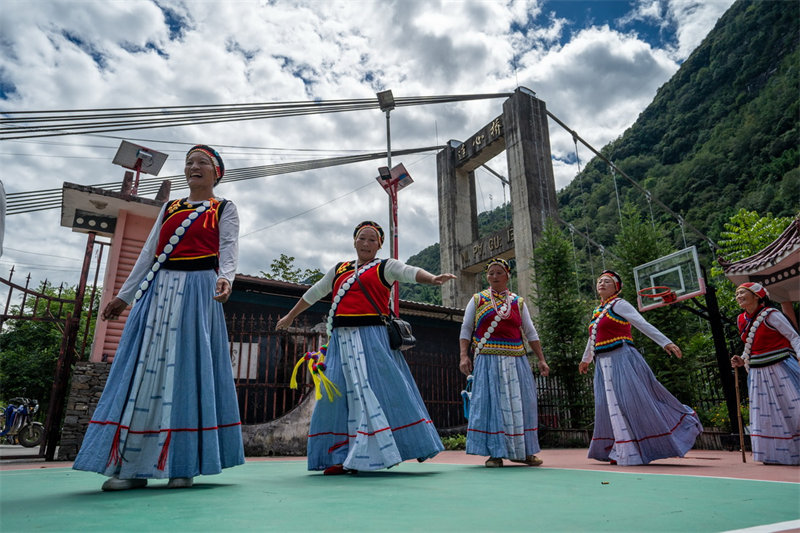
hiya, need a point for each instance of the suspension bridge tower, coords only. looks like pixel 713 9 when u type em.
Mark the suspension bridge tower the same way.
pixel 521 130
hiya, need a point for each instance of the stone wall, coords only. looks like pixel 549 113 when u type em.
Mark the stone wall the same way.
pixel 88 380
pixel 286 435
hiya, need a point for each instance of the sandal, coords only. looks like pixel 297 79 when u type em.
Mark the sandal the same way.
pixel 530 460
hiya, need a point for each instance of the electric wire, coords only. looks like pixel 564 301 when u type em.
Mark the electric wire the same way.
pixel 32 201
pixel 30 124
pixel 633 182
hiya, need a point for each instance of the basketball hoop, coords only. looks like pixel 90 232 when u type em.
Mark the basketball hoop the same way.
pixel 665 293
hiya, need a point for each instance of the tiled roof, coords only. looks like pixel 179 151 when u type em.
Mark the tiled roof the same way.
pixel 787 244
pixel 286 288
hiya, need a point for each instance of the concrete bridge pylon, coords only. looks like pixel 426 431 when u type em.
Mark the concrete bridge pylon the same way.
pixel 522 132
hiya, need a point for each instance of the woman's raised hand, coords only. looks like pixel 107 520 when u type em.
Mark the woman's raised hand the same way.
pixel 441 278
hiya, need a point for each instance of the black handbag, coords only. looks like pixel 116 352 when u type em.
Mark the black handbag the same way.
pixel 400 335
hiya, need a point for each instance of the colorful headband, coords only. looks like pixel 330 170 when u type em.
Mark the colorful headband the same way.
pixel 219 166
pixel 372 225
pixel 498 261
pixel 756 288
pixel 614 277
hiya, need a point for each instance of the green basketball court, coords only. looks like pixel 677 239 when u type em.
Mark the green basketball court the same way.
pixel 457 495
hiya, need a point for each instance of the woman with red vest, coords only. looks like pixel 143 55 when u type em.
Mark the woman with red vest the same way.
pixel 380 420
pixel 503 418
pixel 169 407
pixel 636 419
pixel 771 348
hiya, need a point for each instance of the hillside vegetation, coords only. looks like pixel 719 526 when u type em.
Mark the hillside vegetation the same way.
pixel 719 136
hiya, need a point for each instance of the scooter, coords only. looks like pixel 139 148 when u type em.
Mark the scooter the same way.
pixel 17 422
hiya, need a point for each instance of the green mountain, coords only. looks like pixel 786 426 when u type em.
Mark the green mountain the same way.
pixel 488 223
pixel 722 134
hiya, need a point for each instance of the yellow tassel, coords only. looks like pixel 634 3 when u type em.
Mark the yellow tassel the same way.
pixel 330 387
pixel 318 393
pixel 293 381
pixel 315 361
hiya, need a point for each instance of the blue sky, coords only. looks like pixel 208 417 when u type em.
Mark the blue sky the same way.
pixel 597 65
pixel 617 15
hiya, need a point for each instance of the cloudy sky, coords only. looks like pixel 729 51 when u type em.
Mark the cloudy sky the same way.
pixel 596 64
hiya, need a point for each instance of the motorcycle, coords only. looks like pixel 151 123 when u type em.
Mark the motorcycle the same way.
pixel 16 422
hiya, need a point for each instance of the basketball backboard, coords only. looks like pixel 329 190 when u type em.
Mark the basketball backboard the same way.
pixel 139 158
pixel 678 272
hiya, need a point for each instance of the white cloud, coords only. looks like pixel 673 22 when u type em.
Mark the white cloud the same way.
pixel 95 54
pixel 694 19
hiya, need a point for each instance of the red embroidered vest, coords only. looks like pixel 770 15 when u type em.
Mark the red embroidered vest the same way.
pixel 199 246
pixel 612 330
pixel 769 345
pixel 354 309
pixel 506 338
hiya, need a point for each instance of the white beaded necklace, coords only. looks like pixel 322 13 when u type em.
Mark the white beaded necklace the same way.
pixel 593 335
pixel 169 247
pixel 505 309
pixel 343 289
pixel 500 314
pixel 751 334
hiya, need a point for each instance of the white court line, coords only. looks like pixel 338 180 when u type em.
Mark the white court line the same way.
pixel 792 525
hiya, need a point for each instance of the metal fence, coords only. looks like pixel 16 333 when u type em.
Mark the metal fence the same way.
pixel 263 361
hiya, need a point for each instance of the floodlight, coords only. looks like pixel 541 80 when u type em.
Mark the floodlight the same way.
pixel 386 100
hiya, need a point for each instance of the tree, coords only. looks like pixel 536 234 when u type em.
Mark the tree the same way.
pixel 28 355
pixel 640 241
pixel 283 269
pixel 29 349
pixel 745 234
pixel 561 318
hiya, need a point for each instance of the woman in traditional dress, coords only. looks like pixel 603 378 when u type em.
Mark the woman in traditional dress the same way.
pixel 380 420
pixel 636 419
pixel 503 419
pixel 169 407
pixel 771 349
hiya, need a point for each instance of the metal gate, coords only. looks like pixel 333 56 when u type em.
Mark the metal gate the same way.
pixel 25 303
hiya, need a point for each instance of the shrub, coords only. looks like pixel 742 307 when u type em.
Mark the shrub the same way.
pixel 455 442
pixel 717 416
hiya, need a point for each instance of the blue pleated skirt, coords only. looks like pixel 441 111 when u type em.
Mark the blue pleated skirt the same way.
pixel 775 412
pixel 169 407
pixel 380 420
pixel 503 418
pixel 636 419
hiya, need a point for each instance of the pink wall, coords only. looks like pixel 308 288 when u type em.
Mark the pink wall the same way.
pixel 130 235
